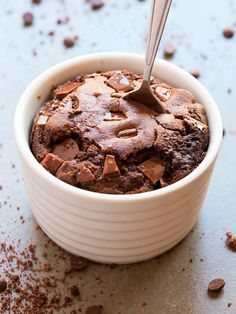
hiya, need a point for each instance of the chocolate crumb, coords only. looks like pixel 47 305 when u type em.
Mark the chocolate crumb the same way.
pixel 36 1
pixel 216 285
pixel 69 42
pixel 195 74
pixel 228 33
pixel 78 263
pixel 3 285
pixel 75 291
pixel 229 304
pixel 169 51
pixel 28 19
pixel 231 241
pixel 96 4
pixel 94 309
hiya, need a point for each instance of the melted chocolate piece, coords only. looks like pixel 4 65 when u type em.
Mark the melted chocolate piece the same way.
pixel 110 166
pixel 153 169
pixel 66 150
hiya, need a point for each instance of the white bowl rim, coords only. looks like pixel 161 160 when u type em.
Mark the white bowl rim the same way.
pixel 23 143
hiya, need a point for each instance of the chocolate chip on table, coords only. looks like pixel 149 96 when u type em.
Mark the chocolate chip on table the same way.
pixel 75 291
pixel 51 33
pixel 3 285
pixel 153 169
pixel 216 285
pixel 169 51
pixel 110 166
pixel 78 263
pixel 228 33
pixel 96 4
pixel 36 1
pixel 231 241
pixel 195 73
pixel 69 42
pixel 66 150
pixel 28 19
pixel 94 309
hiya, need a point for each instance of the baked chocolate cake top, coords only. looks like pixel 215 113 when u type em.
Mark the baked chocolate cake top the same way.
pixel 87 135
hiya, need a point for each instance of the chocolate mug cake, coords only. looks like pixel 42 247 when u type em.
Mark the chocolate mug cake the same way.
pixel 87 135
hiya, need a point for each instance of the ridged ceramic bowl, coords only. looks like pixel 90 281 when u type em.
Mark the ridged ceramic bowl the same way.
pixel 113 228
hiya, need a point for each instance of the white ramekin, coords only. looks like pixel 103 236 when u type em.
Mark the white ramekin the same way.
pixel 113 228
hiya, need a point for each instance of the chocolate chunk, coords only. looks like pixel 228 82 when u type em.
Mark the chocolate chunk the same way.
pixel 162 92
pixel 42 120
pixel 28 19
pixel 195 123
pixel 168 121
pixel 114 116
pixel 119 82
pixel 66 150
pixel 94 309
pixel 96 4
pixel 78 263
pixel 153 169
pixel 117 95
pixel 51 163
pixel 58 126
pixel 228 33
pixel 75 291
pixel 128 133
pixel 69 42
pixel 216 285
pixel 169 51
pixel 110 166
pixel 84 174
pixel 231 241
pixel 67 172
pixel 36 1
pixel 197 112
pixel 3 285
pixel 66 88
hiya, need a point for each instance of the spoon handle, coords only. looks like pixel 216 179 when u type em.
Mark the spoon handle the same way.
pixel 159 13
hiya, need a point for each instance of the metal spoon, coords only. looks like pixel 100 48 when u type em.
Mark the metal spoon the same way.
pixel 144 94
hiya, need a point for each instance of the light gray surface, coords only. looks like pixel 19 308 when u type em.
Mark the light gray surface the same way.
pixel 195 27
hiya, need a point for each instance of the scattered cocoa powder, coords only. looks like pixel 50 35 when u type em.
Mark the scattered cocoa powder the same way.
pixel 29 284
